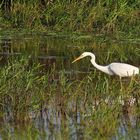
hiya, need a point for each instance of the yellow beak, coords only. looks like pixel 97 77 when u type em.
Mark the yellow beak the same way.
pixel 77 59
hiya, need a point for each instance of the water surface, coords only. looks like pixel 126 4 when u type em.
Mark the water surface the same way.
pixel 82 114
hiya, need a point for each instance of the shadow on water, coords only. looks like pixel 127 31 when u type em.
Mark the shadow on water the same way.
pixel 80 102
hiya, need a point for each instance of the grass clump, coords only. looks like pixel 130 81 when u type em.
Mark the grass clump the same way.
pixel 19 90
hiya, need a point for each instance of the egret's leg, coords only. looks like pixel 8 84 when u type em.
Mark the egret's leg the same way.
pixel 131 82
pixel 121 83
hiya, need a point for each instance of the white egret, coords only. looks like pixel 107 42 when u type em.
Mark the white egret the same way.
pixel 119 69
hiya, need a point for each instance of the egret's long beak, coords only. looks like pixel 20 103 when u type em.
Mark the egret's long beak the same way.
pixel 77 59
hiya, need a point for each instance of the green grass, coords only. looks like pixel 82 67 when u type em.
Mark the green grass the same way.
pixel 25 88
pixel 19 88
pixel 120 18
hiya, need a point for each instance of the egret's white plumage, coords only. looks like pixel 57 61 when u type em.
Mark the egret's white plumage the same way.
pixel 120 69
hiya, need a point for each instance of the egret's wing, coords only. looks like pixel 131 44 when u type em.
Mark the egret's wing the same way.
pixel 122 69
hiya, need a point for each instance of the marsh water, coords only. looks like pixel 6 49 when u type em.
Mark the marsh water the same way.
pixel 70 112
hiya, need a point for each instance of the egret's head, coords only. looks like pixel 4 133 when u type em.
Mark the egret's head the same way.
pixel 84 55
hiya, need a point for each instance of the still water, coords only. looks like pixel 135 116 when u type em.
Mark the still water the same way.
pixel 82 118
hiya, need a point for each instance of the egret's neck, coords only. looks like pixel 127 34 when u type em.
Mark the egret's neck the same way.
pixel 104 69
